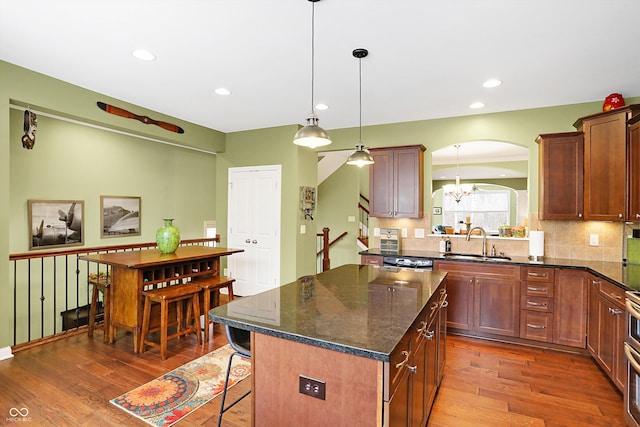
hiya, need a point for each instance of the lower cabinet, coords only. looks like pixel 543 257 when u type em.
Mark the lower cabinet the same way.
pixel 607 328
pixel 483 298
pixel 416 367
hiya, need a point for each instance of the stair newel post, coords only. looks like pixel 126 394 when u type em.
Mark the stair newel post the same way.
pixel 326 262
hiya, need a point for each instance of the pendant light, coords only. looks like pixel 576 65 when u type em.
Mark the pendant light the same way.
pixel 458 191
pixel 361 156
pixel 312 135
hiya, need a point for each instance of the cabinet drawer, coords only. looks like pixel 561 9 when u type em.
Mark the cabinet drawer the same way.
pixel 538 274
pixel 398 361
pixel 544 304
pixel 612 292
pixel 537 289
pixel 536 326
pixel 371 260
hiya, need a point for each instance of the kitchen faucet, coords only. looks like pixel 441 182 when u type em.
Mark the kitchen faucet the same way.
pixel 484 239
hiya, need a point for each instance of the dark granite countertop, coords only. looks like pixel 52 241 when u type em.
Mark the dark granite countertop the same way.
pixel 347 309
pixel 627 276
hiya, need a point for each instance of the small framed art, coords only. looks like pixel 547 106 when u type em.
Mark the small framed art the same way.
pixel 55 223
pixel 120 216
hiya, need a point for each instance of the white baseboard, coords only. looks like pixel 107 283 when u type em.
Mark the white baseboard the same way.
pixel 5 353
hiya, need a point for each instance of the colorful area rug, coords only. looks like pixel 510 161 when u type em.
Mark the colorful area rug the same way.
pixel 171 397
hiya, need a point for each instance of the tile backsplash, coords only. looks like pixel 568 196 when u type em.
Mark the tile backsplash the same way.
pixel 562 239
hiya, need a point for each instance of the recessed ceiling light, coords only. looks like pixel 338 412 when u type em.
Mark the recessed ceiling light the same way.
pixel 443 177
pixel 222 91
pixel 503 175
pixel 143 55
pixel 322 107
pixel 492 83
pixel 476 105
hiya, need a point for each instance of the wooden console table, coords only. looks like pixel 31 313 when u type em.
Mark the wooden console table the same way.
pixel 133 271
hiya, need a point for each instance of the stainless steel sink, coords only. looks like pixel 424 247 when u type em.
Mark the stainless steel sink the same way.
pixel 453 255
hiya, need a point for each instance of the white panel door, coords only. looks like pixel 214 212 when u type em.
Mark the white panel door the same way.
pixel 254 225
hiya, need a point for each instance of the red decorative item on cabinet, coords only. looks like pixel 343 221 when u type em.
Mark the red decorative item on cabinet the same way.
pixel 613 101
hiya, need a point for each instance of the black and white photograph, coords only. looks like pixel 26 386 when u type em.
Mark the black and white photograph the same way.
pixel 120 216
pixel 55 223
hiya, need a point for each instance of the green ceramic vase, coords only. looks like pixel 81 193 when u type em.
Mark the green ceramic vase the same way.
pixel 168 237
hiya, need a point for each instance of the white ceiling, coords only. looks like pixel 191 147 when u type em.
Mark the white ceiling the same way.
pixel 427 58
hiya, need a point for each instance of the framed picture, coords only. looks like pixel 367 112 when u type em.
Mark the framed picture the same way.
pixel 437 211
pixel 120 216
pixel 308 201
pixel 55 223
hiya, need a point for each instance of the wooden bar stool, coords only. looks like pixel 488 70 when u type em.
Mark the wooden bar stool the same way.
pixel 211 286
pixel 100 284
pixel 178 294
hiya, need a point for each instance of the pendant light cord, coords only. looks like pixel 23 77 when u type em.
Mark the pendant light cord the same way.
pixel 360 100
pixel 313 53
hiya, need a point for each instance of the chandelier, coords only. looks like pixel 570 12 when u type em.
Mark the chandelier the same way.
pixel 457 190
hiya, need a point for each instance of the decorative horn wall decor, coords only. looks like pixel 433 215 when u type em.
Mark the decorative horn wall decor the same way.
pixel 144 119
pixel 30 126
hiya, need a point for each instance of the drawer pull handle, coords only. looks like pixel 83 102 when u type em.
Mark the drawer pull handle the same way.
pixel 615 296
pixel 423 326
pixel 534 289
pixel 537 304
pixel 405 353
pixel 529 325
pixel 429 335
pixel 536 274
pixel 413 369
pixel 444 304
pixel 614 311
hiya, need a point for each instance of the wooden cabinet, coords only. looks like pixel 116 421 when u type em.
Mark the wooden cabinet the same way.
pixel 413 372
pixel 633 169
pixel 536 304
pixel 607 334
pixel 396 182
pixel 483 298
pixel 605 163
pixel 560 174
pixel 570 308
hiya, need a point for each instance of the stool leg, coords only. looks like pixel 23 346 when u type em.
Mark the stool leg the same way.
pixel 230 288
pixel 164 325
pixel 92 311
pixel 195 301
pixel 145 324
pixel 107 315
pixel 207 306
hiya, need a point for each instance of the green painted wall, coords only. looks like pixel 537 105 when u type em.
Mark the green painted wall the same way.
pixel 337 200
pixel 73 161
pixel 299 168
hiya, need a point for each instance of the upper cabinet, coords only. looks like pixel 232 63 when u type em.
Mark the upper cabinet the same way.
pixel 633 174
pixel 605 163
pixel 396 182
pixel 560 175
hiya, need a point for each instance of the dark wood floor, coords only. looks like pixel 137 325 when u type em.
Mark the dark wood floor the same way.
pixel 70 382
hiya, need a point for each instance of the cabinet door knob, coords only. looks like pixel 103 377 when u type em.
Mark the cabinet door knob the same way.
pixel 579 215
pixel 620 215
pixel 254 241
pixel 637 215
pixel 248 241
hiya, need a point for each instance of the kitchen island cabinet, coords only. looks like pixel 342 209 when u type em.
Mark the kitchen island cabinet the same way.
pixel 368 334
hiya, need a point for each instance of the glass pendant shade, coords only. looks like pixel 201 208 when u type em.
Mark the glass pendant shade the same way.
pixel 361 157
pixel 311 135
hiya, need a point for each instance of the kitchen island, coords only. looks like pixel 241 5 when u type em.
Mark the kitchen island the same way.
pixel 370 338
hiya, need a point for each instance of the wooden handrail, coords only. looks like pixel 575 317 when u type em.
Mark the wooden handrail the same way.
pixel 361 207
pixel 364 198
pixel 84 250
pixel 333 241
